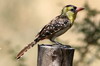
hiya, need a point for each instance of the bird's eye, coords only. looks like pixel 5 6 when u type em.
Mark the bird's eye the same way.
pixel 72 9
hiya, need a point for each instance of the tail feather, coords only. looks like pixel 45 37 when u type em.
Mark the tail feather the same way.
pixel 21 53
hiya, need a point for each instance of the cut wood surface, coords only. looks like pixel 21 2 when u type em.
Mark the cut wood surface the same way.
pixel 55 55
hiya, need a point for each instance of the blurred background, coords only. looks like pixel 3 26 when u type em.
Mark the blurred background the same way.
pixel 21 20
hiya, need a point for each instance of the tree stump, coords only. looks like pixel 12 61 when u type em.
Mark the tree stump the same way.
pixel 55 55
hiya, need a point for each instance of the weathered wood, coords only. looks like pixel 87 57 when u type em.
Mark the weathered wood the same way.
pixel 55 55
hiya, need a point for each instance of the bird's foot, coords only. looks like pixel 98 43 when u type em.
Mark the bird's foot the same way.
pixel 57 43
pixel 67 46
pixel 63 46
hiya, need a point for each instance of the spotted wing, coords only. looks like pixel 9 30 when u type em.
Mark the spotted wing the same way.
pixel 53 27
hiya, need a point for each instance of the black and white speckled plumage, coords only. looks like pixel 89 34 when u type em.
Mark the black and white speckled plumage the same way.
pixel 55 28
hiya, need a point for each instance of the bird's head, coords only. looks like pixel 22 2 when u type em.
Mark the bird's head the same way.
pixel 71 11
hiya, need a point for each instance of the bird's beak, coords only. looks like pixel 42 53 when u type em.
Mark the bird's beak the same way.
pixel 79 9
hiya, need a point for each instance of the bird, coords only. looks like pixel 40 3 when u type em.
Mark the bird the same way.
pixel 56 27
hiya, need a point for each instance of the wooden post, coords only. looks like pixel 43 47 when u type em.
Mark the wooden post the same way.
pixel 55 55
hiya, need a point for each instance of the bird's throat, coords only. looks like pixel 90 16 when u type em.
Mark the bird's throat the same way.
pixel 71 17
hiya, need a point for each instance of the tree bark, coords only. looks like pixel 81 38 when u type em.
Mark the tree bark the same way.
pixel 55 55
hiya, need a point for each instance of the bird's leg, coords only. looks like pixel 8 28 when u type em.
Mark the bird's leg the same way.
pixel 57 43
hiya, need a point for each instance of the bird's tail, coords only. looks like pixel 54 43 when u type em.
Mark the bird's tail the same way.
pixel 21 53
